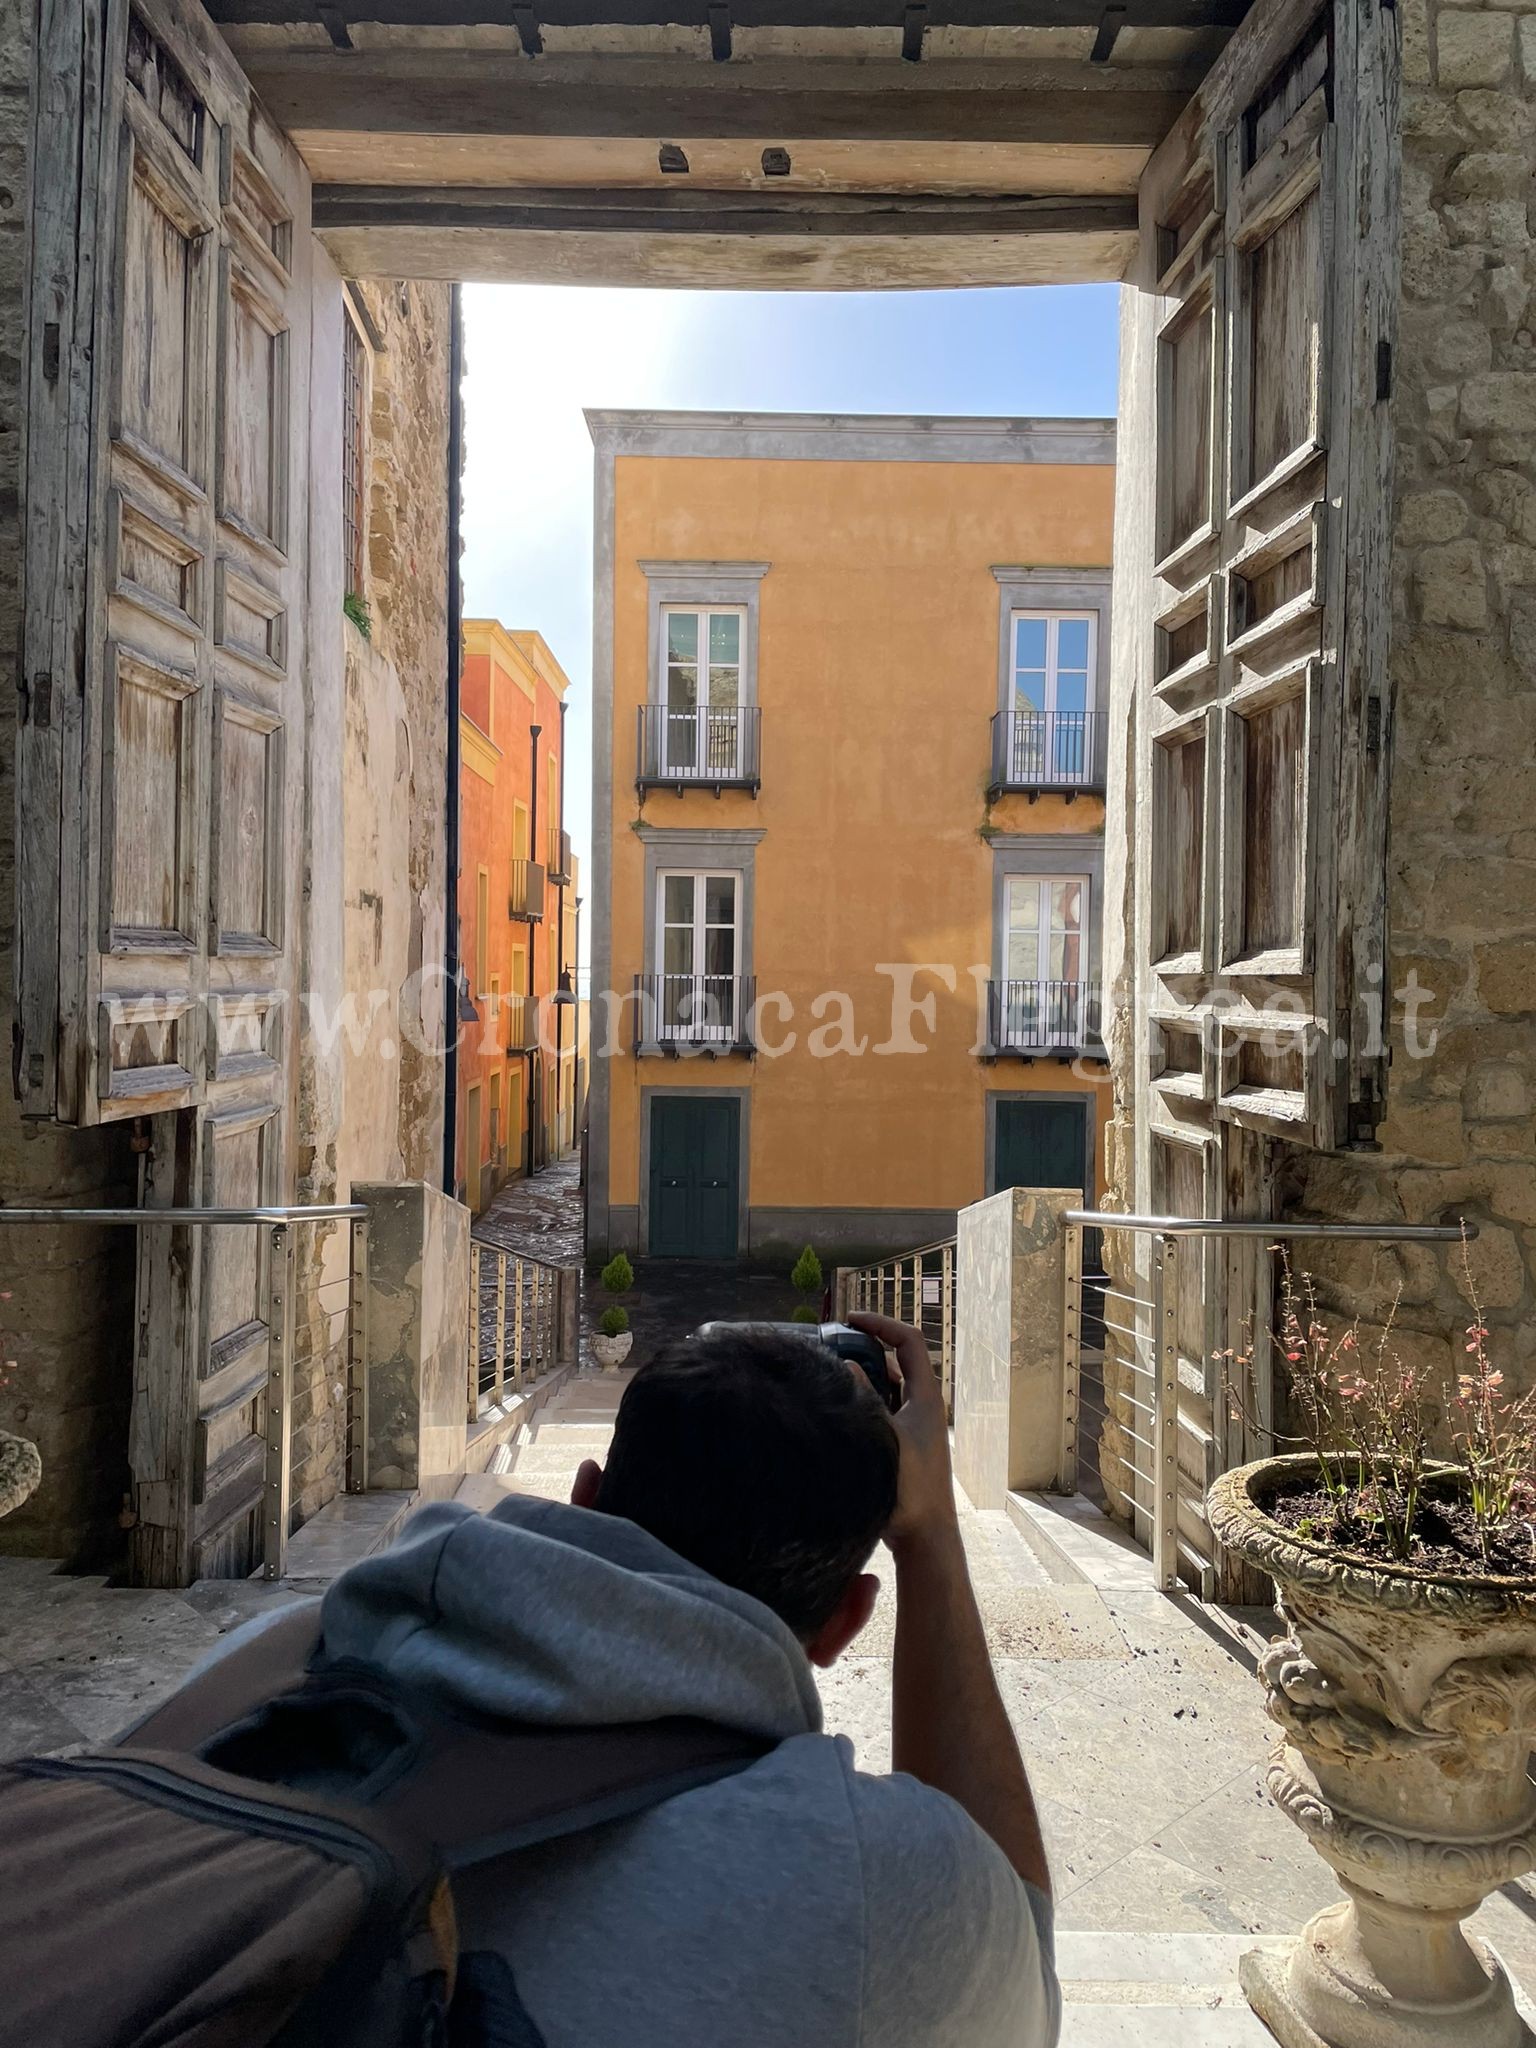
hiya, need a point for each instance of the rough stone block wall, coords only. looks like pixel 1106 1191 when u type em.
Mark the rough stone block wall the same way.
pixel 407 511
pixel 1459 1137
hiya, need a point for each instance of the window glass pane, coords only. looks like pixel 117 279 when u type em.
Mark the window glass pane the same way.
pixel 1071 695
pixel 720 899
pixel 724 636
pixel 1072 643
pixel 1067 905
pixel 1023 962
pixel 677 950
pixel 1029 692
pixel 1023 903
pixel 1029 643
pixel 677 899
pixel 1066 956
pixel 724 687
pixel 682 687
pixel 720 950
pixel 682 636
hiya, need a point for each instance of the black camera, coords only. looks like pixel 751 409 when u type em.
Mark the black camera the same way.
pixel 867 1353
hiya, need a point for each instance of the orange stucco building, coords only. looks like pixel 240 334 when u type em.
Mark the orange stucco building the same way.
pixel 849 693
pixel 517 1038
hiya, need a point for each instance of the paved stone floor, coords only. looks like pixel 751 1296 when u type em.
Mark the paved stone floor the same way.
pixel 542 1215
pixel 1139 1717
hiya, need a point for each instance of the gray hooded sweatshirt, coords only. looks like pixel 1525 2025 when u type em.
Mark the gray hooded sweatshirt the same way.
pixel 797 1904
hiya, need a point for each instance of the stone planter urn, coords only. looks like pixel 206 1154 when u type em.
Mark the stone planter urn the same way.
pixel 21 1470
pixel 611 1352
pixel 1407 1705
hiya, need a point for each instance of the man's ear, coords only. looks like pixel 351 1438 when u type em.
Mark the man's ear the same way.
pixel 589 1477
pixel 848 1619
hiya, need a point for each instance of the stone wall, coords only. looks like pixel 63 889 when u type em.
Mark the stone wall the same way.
pixel 371 1097
pixel 1459 1136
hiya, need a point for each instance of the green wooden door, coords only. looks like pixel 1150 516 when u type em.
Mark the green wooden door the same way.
pixel 1042 1145
pixel 695 1175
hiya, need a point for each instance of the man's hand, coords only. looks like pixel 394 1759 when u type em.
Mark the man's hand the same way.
pixel 925 1487
pixel 948 1723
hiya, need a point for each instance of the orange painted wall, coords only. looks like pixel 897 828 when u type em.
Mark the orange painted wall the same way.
pixel 877 679
pixel 510 683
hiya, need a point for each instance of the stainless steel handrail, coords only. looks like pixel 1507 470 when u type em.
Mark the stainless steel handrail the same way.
pixel 1154 1490
pixel 280 1305
pixel 1218 1226
pixel 317 1212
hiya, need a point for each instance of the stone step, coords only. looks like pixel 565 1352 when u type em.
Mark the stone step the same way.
pixel 1156 1991
pixel 550 1455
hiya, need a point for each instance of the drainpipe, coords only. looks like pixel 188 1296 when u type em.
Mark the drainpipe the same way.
pixel 455 658
pixel 533 951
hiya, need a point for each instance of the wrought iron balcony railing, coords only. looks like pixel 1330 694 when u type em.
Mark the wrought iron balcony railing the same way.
pixel 715 747
pixel 676 1013
pixel 1035 1019
pixel 527 899
pixel 560 858
pixel 1046 750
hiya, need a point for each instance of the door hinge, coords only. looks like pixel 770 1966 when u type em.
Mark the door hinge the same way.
pixel 51 351
pixel 1383 371
pixel 1372 727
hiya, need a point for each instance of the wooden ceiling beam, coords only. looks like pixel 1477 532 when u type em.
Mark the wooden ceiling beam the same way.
pixel 480 92
pixel 752 14
pixel 674 211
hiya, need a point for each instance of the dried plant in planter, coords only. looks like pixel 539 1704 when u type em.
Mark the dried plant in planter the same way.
pixel 1378 1489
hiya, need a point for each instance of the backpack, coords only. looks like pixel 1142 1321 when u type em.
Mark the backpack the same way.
pixel 206 1885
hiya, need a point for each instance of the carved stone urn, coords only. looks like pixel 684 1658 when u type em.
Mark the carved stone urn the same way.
pixel 21 1470
pixel 1407 1705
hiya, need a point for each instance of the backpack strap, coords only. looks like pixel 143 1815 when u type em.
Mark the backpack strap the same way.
pixel 475 1786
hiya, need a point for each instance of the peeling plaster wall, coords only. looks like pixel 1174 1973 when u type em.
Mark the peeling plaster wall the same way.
pixel 370 1064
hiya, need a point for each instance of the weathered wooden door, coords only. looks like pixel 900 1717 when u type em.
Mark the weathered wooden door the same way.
pixel 163 731
pixel 1249 559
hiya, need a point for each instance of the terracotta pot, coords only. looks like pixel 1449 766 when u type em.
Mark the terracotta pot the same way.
pixel 21 1470
pixel 611 1352
pixel 1407 1705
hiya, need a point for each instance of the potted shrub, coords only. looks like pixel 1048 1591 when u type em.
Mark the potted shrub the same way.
pixel 1405 1686
pixel 614 1338
pixel 805 1277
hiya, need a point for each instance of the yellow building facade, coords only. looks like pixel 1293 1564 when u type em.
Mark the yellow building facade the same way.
pixel 849 751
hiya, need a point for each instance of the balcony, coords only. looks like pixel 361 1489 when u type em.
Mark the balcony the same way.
pixel 1033 1020
pixel 522 1023
pixel 560 858
pixel 527 899
pixel 1045 751
pixel 710 748
pixel 687 1013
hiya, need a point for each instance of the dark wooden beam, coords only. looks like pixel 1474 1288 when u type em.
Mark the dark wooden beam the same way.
pixel 914 26
pixel 719 31
pixel 1108 35
pixel 479 92
pixel 672 211
pixel 749 14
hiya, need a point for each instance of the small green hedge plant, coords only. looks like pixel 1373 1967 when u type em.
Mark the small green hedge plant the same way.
pixel 618 1275
pixel 805 1275
pixel 613 1322
pixel 803 1312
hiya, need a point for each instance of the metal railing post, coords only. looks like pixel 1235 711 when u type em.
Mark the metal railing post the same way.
pixel 947 1325
pixel 1165 1429
pixel 517 1323
pixel 357 1358
pixel 501 1327
pixel 278 1484
pixel 474 1335
pixel 1071 1353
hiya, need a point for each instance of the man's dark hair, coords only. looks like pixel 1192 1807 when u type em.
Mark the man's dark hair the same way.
pixel 761 1458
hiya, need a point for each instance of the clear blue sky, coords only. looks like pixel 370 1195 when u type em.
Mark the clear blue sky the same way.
pixel 537 354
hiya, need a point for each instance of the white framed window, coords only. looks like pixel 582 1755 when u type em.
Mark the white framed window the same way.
pixel 355 396
pixel 1045 960
pixel 698 986
pixel 1052 665
pixel 703 667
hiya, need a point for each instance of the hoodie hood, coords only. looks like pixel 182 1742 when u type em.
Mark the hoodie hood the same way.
pixel 544 1613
